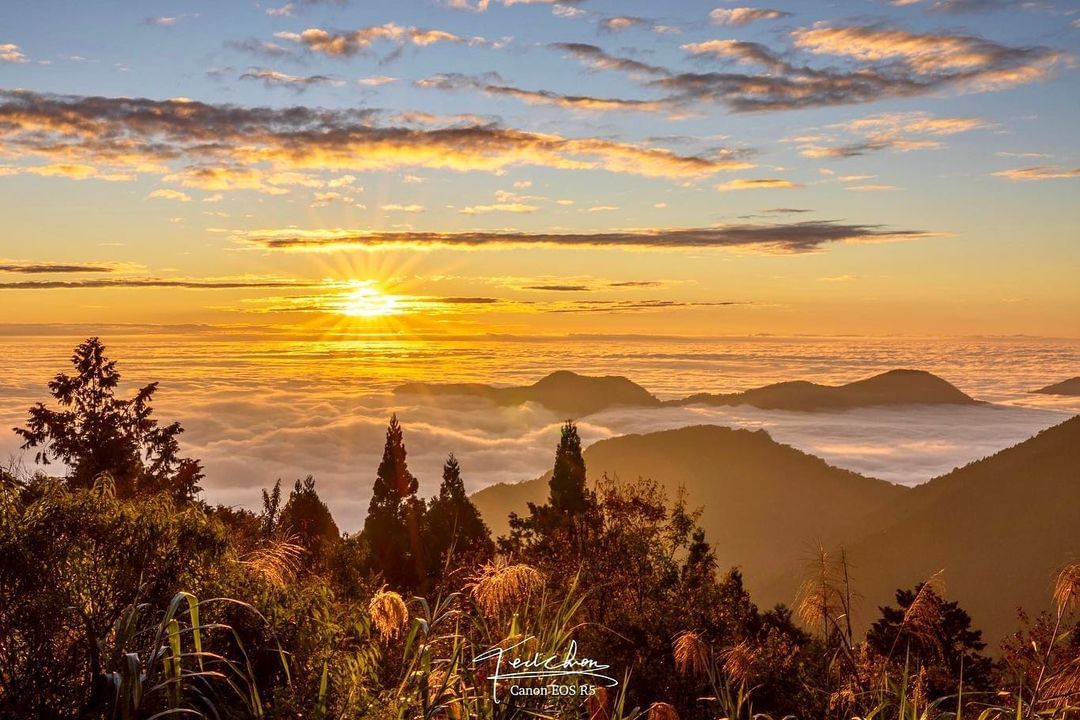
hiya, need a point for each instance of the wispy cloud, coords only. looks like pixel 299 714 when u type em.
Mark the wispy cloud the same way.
pixel 492 85
pixel 899 132
pixel 765 237
pixel 229 147
pixel 185 284
pixel 169 194
pixel 1040 172
pixel 297 83
pixel 44 268
pixel 756 184
pixel 340 43
pixel 888 63
pixel 512 207
pixel 739 16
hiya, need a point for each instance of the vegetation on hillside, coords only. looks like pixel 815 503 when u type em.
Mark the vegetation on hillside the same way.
pixel 125 595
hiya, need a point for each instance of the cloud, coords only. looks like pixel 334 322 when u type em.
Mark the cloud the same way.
pixel 756 184
pixel 899 132
pixel 885 63
pixel 739 16
pixel 10 53
pixel 35 268
pixel 1040 172
pixel 566 11
pixel 871 188
pixel 956 7
pixel 325 199
pixel 597 59
pixel 630 306
pixel 593 286
pixel 619 23
pixel 764 237
pixel 478 6
pixel 499 207
pixel 71 171
pixel 285 10
pixel 186 284
pixel 169 194
pixel 376 80
pixel 456 81
pixel 162 21
pixel 229 147
pixel 298 83
pixel 342 44
pixel 967 59
pixel 398 207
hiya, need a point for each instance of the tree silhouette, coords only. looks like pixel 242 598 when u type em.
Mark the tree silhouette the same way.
pixel 561 527
pixel 307 517
pixel 453 524
pixel 929 632
pixel 392 526
pixel 568 493
pixel 95 432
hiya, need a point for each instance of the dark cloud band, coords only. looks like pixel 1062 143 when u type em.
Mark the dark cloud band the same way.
pixel 783 238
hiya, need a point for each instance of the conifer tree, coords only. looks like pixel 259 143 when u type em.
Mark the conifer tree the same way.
pixel 568 493
pixel 454 525
pixel 392 527
pixel 561 527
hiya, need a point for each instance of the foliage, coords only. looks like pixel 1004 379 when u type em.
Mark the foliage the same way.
pixel 95 432
pixel 395 516
pixel 306 518
pixel 455 534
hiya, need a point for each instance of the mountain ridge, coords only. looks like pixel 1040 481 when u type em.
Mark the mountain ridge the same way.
pixel 1069 387
pixel 577 395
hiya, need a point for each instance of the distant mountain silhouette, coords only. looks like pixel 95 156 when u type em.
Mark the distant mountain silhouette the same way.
pixel 998 527
pixel 764 504
pixel 564 392
pixel 574 395
pixel 895 387
pixel 1065 387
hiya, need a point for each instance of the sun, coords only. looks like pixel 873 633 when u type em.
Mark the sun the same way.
pixel 367 301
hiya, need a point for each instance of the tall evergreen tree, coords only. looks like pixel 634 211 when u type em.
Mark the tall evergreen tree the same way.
pixel 568 493
pixel 395 515
pixel 558 530
pixel 454 525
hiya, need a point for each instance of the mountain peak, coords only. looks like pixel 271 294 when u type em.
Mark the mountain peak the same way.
pixel 1065 387
pixel 894 387
pixel 563 391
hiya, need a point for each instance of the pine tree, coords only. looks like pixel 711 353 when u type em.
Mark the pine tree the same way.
pixel 568 493
pixel 395 514
pixel 558 530
pixel 454 527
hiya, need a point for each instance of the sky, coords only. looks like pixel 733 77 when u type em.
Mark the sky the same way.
pixel 522 167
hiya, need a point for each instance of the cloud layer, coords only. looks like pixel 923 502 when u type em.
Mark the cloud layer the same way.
pixel 882 63
pixel 763 237
pixel 228 147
